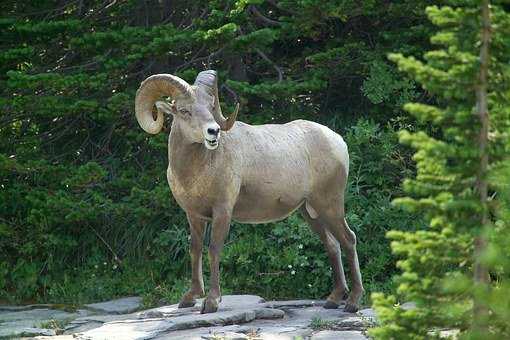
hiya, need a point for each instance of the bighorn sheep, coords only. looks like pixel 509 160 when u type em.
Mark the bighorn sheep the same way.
pixel 220 170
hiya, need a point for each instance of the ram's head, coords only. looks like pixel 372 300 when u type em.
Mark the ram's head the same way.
pixel 196 108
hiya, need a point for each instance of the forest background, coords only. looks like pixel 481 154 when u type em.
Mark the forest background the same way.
pixel 85 209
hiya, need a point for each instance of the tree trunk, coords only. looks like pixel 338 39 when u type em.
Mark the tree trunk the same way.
pixel 481 272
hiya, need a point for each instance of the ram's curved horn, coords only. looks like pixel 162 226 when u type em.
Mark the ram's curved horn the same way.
pixel 208 82
pixel 150 91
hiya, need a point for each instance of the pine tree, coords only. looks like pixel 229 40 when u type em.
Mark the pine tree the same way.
pixel 445 269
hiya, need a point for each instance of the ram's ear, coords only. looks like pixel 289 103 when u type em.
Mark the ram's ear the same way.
pixel 165 107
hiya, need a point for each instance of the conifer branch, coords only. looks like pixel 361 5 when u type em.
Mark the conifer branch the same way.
pixel 285 10
pixel 276 67
pixel 267 21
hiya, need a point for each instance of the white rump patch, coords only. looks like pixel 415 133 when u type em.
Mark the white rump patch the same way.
pixel 311 211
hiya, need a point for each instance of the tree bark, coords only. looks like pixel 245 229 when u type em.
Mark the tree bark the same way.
pixel 481 272
pixel 237 68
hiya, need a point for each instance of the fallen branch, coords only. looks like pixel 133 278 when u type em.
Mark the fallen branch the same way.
pixel 276 67
pixel 115 257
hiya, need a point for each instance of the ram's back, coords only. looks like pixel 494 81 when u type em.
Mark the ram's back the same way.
pixel 283 164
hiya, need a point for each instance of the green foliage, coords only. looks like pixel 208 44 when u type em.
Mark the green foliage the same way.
pixel 437 264
pixel 318 324
pixel 383 85
pixel 82 185
pixel 57 325
pixel 497 256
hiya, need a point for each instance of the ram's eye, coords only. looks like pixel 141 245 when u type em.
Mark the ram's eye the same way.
pixel 184 112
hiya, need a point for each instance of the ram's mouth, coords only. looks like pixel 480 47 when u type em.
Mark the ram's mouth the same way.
pixel 211 144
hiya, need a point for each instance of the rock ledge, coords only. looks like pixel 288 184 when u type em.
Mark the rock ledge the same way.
pixel 238 317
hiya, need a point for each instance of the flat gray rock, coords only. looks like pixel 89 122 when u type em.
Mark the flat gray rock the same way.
pixel 147 328
pixel 337 335
pixel 240 301
pixel 82 325
pixel 225 335
pixel 119 306
pixel 88 322
pixel 228 302
pixel 304 316
pixel 295 303
pixel 239 317
pixel 33 331
pixel 29 322
pixel 24 307
pixel 203 332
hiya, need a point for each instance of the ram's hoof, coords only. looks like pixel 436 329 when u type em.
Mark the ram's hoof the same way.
pixel 210 305
pixel 335 298
pixel 350 308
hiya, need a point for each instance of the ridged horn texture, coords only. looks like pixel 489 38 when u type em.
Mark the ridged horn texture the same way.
pixel 207 81
pixel 150 91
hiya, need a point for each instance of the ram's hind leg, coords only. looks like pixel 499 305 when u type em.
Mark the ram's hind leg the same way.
pixel 340 290
pixel 334 220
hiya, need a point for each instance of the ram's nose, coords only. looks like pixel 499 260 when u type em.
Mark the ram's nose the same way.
pixel 213 131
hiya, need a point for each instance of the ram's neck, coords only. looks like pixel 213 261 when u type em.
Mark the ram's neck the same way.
pixel 186 159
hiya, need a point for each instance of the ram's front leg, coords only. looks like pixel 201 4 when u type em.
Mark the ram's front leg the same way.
pixel 219 231
pixel 197 228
